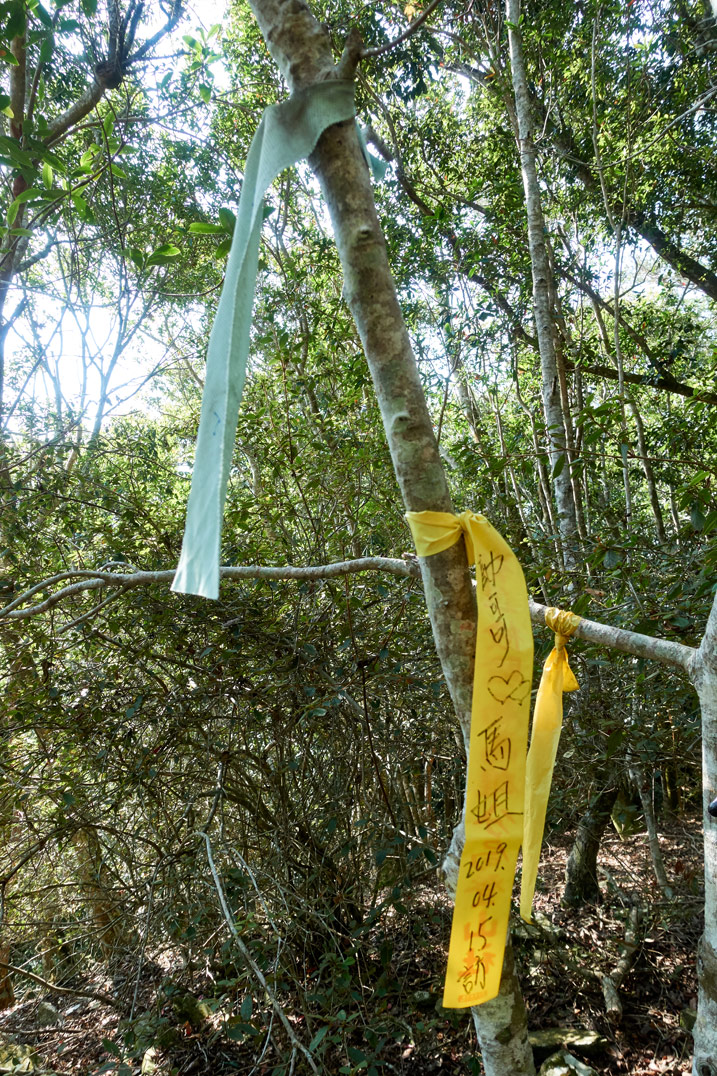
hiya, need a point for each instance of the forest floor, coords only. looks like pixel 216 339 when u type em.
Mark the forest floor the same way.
pixel 397 1024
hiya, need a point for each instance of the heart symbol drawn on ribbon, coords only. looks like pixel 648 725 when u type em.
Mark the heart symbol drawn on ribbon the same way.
pixel 515 687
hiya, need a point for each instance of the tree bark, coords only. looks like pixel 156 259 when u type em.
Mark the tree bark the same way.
pixel 581 882
pixel 704 678
pixel 302 50
pixel 642 783
pixel 544 316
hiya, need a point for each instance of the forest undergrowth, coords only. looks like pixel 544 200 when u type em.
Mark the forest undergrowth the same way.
pixel 188 1020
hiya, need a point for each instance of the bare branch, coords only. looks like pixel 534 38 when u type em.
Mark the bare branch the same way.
pixel 76 112
pixel 176 14
pixel 417 22
pixel 89 580
pixel 630 642
pixel 59 989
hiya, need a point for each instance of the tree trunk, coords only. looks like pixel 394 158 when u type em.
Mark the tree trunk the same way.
pixel 581 883
pixel 658 863
pixel 544 316
pixel 704 677
pixel 302 49
pixel 7 994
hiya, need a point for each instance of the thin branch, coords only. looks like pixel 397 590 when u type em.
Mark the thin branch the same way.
pixel 630 642
pixel 415 25
pixel 59 989
pixel 89 580
pixel 176 14
pixel 258 973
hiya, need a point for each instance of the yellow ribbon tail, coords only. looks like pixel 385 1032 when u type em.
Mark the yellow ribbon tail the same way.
pixel 495 783
pixel 557 678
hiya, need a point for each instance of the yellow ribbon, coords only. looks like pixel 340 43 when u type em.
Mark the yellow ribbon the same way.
pixel 496 761
pixel 547 724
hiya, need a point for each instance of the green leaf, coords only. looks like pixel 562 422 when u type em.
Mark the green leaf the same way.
pixel 246 1007
pixel 559 465
pixel 117 171
pixel 44 154
pixel 228 220
pixel 205 92
pixel 17 21
pixel 43 15
pixel 88 157
pixel 26 196
pixel 47 175
pixel 318 1037
pixel 46 49
pixel 224 247
pixel 89 7
pixel 613 741
pixel 84 211
pixel 163 254
pixel 12 147
pixel 137 257
pixel 237 1030
pixel 111 1047
pixel 200 228
pixel 697 518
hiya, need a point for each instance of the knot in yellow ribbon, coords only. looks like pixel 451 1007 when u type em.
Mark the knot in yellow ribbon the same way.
pixel 563 623
pixel 433 532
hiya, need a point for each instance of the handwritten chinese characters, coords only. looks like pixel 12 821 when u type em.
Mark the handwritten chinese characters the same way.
pixel 496 766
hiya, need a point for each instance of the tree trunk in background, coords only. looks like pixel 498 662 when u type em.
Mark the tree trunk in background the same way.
pixel 544 315
pixel 302 50
pixel 106 912
pixel 581 882
pixel 7 994
pixel 642 783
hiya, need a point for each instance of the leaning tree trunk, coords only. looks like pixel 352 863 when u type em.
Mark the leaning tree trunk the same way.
pixel 543 310
pixel 302 49
pixel 581 881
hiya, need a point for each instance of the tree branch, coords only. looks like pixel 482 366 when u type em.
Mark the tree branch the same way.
pixel 417 22
pixel 630 642
pixel 648 381
pixel 59 989
pixel 89 580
